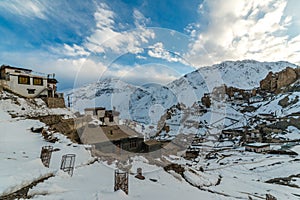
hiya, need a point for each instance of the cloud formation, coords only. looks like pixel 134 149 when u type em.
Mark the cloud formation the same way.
pixel 28 8
pixel 244 30
pixel 143 74
pixel 158 51
pixel 106 37
pixel 83 37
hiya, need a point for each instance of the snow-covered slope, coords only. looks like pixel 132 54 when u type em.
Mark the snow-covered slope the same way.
pixel 244 74
pixel 233 174
pixel 146 103
pixel 20 164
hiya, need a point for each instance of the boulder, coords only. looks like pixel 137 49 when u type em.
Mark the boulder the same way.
pixel 274 82
pixel 269 83
pixel 286 77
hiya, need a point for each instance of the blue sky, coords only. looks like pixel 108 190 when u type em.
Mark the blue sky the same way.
pixel 144 41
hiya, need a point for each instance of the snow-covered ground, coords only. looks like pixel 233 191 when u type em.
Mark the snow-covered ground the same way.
pixel 228 174
pixel 137 102
pixel 20 165
pixel 241 174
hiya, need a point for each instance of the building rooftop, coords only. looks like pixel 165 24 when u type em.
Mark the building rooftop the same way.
pixel 152 142
pixel 108 133
pixel 257 144
pixel 17 68
pixel 94 109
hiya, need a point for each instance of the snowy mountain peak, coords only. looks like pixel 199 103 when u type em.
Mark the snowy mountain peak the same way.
pixel 137 102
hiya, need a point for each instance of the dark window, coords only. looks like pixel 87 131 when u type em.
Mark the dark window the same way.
pixel 24 80
pixel 31 91
pixel 37 81
pixel 132 144
pixel 111 118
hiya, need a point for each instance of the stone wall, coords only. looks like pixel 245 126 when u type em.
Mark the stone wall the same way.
pixel 2 85
pixel 64 126
pixel 55 102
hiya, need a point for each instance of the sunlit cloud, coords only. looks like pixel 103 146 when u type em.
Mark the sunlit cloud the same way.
pixel 244 30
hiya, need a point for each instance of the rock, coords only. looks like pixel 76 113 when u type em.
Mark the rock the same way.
pixel 286 77
pixel 140 177
pixel 205 100
pixel 269 83
pixel 274 82
pixel 284 102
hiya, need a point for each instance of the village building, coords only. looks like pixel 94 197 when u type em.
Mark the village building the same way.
pixel 113 139
pixel 26 83
pixel 257 147
pixel 254 136
pixel 107 117
pixel 256 99
pixel 152 145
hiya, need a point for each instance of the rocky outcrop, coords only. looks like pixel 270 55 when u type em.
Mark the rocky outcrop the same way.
pixel 205 100
pixel 274 82
pixel 286 77
pixel 268 83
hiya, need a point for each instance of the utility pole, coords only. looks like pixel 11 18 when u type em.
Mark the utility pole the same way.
pixel 69 101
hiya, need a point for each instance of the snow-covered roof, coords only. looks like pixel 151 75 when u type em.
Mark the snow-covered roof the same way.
pixel 258 145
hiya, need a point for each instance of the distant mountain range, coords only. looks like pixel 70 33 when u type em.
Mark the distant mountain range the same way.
pixel 146 104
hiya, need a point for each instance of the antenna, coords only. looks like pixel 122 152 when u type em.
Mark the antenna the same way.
pixel 69 101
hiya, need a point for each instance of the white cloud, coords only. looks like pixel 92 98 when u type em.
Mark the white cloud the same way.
pixel 68 50
pixel 246 29
pixel 107 38
pixel 28 8
pixel 81 70
pixel 143 74
pixel 139 19
pixel 158 51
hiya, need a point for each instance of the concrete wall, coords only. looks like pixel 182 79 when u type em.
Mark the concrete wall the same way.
pixel 114 122
pixel 22 89
pixel 100 113
pixel 89 112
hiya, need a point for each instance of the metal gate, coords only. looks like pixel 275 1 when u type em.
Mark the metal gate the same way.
pixel 67 163
pixel 45 156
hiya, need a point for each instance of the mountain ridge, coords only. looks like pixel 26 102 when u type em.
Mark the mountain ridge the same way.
pixel 144 104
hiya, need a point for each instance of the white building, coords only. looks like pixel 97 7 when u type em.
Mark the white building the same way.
pixel 257 147
pixel 25 83
pixel 107 117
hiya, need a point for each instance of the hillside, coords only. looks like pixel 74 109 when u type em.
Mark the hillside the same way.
pixel 145 104
pixel 22 174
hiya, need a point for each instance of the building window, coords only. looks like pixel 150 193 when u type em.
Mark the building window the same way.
pixel 31 91
pixel 132 144
pixel 24 80
pixel 37 81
